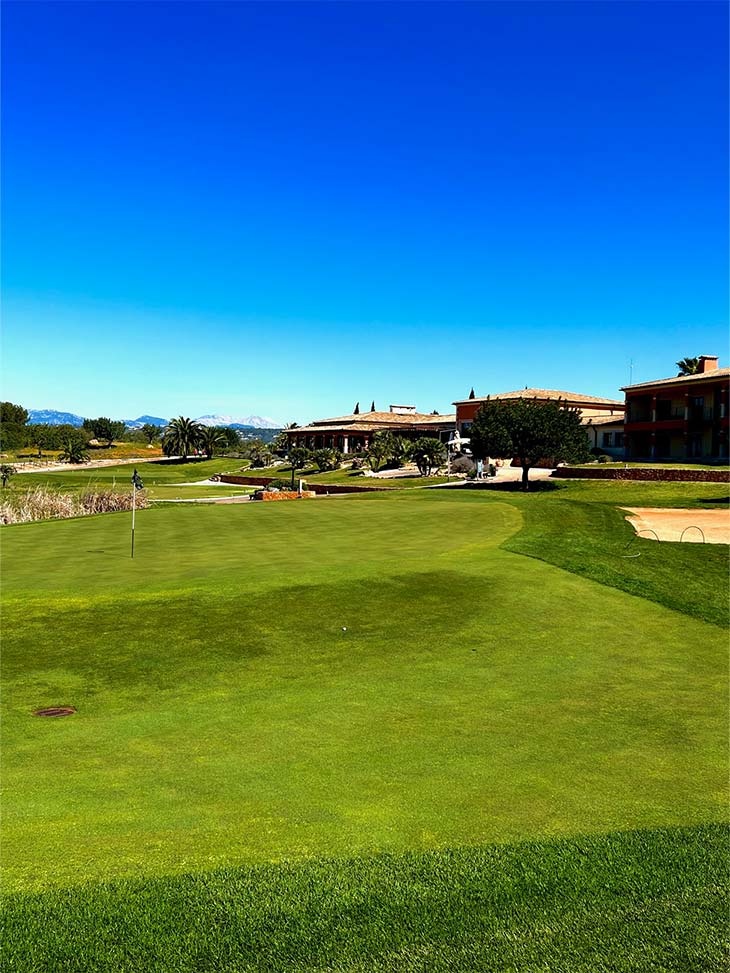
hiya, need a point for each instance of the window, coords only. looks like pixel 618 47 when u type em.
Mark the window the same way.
pixel 620 439
pixel 607 436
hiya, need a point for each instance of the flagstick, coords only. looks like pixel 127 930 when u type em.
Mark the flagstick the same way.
pixel 134 506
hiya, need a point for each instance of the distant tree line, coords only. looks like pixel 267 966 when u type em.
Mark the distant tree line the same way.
pixel 182 437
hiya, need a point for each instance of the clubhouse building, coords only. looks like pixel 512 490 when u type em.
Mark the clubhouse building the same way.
pixel 685 417
pixel 352 433
pixel 603 419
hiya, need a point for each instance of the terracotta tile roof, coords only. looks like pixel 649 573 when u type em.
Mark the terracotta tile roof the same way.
pixel 604 420
pixel 367 421
pixel 551 394
pixel 681 379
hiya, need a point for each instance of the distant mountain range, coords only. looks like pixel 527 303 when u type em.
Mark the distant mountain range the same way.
pixel 247 422
pixel 53 417
pixel 145 420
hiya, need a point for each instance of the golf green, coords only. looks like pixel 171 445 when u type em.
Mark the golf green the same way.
pixel 335 678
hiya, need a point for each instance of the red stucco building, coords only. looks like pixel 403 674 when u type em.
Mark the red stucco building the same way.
pixel 685 417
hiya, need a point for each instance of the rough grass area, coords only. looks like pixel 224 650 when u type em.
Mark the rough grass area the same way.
pixel 626 903
pixel 40 503
pixel 119 450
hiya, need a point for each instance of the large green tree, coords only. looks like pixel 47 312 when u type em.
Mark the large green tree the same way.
pixel 688 366
pixel 150 432
pixel 105 430
pixel 529 431
pixel 10 412
pixel 13 429
pixel 181 437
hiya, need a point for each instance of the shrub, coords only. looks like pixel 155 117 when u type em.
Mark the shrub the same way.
pixel 327 459
pixel 279 484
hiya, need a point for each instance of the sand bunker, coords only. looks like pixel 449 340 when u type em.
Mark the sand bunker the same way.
pixel 669 524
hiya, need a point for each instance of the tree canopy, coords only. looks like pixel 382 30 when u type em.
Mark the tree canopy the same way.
pixel 211 438
pixel 327 459
pixel 429 453
pixel 104 429
pixel 74 451
pixel 688 366
pixel 10 412
pixel 13 430
pixel 529 431
pixel 150 432
pixel 181 437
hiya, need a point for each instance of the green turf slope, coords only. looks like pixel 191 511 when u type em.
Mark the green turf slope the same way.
pixel 478 697
pixel 632 902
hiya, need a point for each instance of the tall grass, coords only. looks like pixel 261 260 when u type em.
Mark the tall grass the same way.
pixel 41 503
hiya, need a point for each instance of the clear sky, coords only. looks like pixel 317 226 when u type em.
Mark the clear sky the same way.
pixel 284 208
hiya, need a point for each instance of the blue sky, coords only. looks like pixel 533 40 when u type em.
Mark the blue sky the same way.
pixel 285 208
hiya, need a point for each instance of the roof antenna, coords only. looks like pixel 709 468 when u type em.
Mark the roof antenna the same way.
pixel 631 371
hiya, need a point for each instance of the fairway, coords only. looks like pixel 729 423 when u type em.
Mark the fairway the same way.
pixel 224 716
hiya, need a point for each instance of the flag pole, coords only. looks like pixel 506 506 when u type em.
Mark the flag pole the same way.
pixel 134 507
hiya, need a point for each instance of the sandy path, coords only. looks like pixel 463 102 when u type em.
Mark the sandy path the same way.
pixel 669 524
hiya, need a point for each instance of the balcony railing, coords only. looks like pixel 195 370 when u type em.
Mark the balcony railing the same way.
pixel 663 415
pixel 701 414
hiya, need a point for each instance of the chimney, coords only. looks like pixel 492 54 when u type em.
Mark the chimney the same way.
pixel 709 363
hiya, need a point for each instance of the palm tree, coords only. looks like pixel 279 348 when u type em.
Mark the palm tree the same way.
pixel 181 437
pixel 73 451
pixel 688 366
pixel 429 453
pixel 209 439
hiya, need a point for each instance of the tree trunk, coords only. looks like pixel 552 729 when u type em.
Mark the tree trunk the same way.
pixel 525 477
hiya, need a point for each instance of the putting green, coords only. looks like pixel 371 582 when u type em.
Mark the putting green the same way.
pixel 225 717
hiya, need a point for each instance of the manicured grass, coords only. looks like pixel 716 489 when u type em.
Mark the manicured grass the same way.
pixel 630 902
pixel 162 480
pixel 477 697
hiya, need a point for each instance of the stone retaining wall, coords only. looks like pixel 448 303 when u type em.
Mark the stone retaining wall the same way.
pixel 318 488
pixel 644 473
pixel 286 494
